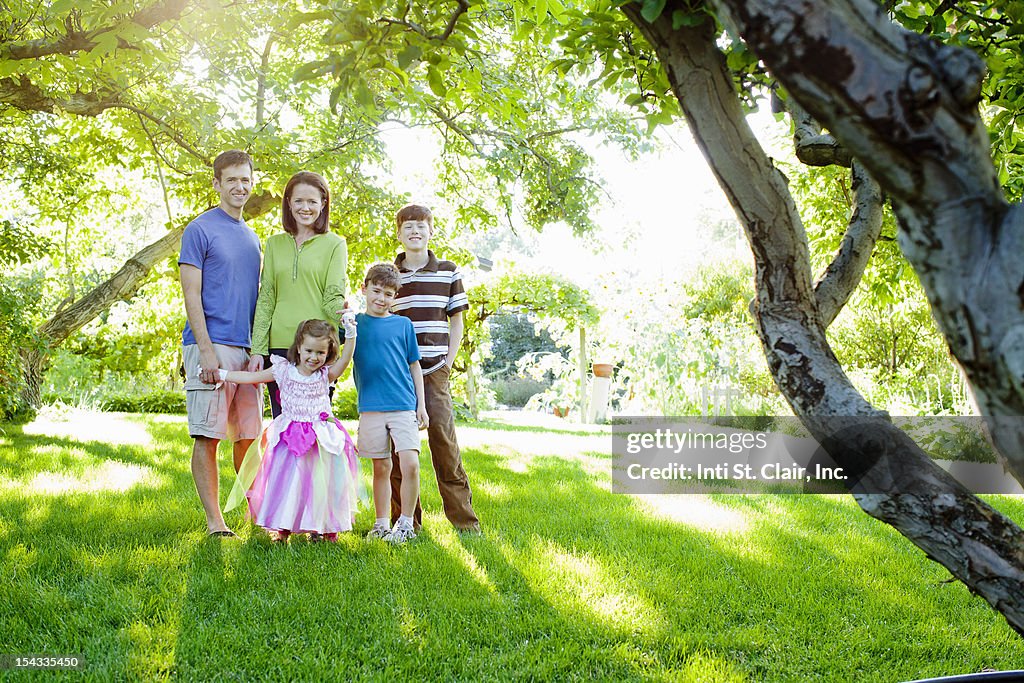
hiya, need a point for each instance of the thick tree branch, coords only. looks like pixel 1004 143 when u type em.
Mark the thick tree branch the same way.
pixel 845 271
pixel 20 93
pixel 898 483
pixel 78 41
pixel 813 147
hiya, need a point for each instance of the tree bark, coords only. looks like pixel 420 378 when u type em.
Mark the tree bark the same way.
pixel 895 481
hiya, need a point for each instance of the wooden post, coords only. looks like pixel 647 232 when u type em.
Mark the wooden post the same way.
pixel 583 374
pixel 471 397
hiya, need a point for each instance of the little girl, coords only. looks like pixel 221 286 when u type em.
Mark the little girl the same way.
pixel 305 480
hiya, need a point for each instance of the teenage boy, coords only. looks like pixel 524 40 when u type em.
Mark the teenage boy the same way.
pixel 389 384
pixel 219 264
pixel 433 298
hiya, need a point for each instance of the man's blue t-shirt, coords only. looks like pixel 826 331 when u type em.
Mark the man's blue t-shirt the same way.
pixel 384 349
pixel 228 252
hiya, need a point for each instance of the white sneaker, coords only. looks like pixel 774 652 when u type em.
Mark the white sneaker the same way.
pixel 378 531
pixel 400 533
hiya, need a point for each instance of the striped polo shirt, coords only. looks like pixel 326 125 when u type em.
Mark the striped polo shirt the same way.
pixel 428 297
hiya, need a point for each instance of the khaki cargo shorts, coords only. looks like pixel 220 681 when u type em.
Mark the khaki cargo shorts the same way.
pixel 234 411
pixel 378 430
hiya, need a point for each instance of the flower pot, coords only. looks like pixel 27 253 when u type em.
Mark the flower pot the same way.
pixel 560 411
pixel 603 369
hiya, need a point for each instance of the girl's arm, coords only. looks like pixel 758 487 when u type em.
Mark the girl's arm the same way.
pixel 241 377
pixel 338 367
pixel 348 321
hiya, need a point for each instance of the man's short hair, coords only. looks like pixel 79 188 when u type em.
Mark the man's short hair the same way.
pixel 414 212
pixel 384 275
pixel 232 157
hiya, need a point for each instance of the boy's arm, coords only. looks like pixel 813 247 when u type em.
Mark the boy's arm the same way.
pixel 338 367
pixel 456 326
pixel 421 402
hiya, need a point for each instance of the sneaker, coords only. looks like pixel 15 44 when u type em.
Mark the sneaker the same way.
pixel 330 537
pixel 400 534
pixel 378 531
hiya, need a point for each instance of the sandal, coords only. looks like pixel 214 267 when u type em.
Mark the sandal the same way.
pixel 223 533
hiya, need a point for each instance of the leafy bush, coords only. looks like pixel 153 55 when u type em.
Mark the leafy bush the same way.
pixel 19 305
pixel 513 335
pixel 345 405
pixel 515 391
pixel 172 402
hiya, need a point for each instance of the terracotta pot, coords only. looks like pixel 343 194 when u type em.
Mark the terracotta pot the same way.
pixel 561 412
pixel 603 369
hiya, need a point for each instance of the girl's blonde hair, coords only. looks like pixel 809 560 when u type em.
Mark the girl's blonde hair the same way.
pixel 318 329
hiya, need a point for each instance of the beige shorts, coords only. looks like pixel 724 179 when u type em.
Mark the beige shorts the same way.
pixel 377 431
pixel 234 411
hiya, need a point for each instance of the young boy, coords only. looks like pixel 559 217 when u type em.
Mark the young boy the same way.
pixel 433 298
pixel 391 401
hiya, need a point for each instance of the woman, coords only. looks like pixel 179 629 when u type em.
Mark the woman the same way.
pixel 304 271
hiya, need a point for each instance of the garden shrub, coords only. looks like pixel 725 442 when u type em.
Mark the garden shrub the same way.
pixel 345 404
pixel 172 402
pixel 514 391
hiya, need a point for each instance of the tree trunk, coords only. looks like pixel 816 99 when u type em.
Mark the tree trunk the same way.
pixel 32 369
pixel 894 480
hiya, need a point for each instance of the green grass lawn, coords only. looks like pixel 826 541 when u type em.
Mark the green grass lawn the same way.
pixel 104 554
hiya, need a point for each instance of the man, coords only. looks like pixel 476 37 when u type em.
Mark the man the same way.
pixel 220 270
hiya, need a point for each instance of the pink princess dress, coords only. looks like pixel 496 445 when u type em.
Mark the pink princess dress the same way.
pixel 305 480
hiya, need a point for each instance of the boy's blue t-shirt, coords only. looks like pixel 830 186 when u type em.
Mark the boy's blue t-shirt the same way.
pixel 384 349
pixel 228 252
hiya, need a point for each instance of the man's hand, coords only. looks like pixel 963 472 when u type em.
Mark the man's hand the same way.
pixel 208 366
pixel 255 363
pixel 422 418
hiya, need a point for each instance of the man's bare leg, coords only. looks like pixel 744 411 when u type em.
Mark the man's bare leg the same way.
pixel 239 450
pixel 204 473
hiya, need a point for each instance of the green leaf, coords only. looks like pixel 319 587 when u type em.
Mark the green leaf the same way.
pixel 105 44
pixel 436 82
pixel 540 11
pixel 652 9
pixel 407 56
pixel 682 18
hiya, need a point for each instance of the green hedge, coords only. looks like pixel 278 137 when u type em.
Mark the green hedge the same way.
pixel 152 402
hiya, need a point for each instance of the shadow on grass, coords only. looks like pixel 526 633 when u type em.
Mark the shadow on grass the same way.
pixel 569 582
